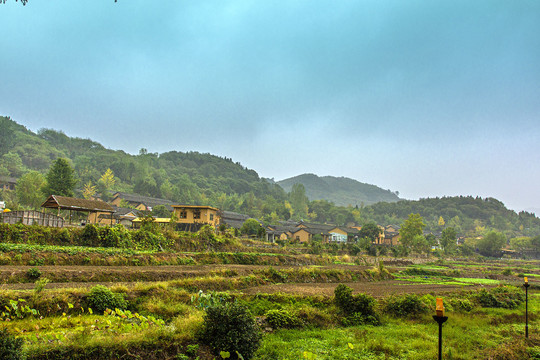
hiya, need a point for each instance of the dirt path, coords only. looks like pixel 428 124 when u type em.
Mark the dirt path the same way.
pixel 376 289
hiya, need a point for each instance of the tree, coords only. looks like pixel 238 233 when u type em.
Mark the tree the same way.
pixel 13 163
pixel 105 183
pixel 28 189
pixel 7 138
pixel 60 179
pixel 299 200
pixel 250 227
pixel 491 244
pixel 161 211
pixel 89 190
pixel 448 240
pixel 370 231
pixel 420 244
pixel 413 226
pixel 441 221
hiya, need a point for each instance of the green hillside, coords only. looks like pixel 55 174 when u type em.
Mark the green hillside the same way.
pixel 205 179
pixel 341 191
pixel 186 178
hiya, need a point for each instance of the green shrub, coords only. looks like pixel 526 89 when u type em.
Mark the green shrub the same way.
pixel 62 236
pixel 463 305
pixel 10 346
pixel 507 297
pixel 283 319
pixel 146 240
pixel 102 298
pixel 33 273
pixel 230 327
pixel 90 236
pixel 357 309
pixel 404 305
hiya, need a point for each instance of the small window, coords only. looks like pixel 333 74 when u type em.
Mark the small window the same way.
pixel 211 217
pixel 197 214
pixel 183 214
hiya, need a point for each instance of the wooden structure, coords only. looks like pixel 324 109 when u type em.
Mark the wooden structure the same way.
pixel 31 217
pixel 92 207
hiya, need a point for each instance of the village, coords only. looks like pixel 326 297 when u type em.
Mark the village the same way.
pixel 126 209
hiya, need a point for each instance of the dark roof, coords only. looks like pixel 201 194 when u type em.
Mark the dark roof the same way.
pixel 233 216
pixel 119 211
pixel 312 230
pixel 69 203
pixel 390 234
pixel 348 230
pixel 234 224
pixel 316 226
pixel 8 180
pixel 146 200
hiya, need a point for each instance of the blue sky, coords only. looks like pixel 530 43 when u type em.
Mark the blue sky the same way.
pixel 428 98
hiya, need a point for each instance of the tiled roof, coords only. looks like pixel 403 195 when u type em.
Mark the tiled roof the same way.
pixel 69 203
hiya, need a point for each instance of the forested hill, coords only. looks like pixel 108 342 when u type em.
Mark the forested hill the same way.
pixel 341 191
pixel 204 179
pixel 467 214
pixel 189 178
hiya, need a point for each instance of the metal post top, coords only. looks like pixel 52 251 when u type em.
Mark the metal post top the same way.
pixel 440 319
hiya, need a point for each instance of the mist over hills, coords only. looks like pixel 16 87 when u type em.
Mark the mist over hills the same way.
pixel 341 191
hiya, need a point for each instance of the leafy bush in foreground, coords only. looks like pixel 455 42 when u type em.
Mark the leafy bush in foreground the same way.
pixel 283 319
pixel 10 346
pixel 507 297
pixel 231 328
pixel 358 309
pixel 405 305
pixel 102 298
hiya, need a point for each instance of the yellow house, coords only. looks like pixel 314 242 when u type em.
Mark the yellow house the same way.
pixel 195 214
pixel 301 235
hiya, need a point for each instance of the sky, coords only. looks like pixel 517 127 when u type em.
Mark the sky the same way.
pixel 428 98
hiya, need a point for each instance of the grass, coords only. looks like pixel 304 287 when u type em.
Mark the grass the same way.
pixel 478 281
pixel 466 337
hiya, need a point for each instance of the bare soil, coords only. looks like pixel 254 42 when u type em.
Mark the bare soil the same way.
pixel 89 276
pixel 375 288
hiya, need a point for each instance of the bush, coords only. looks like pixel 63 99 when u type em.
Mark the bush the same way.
pixel 357 309
pixel 230 327
pixel 33 273
pixel 463 305
pixel 146 240
pixel 10 346
pixel 102 298
pixel 90 236
pixel 506 297
pixel 405 305
pixel 283 319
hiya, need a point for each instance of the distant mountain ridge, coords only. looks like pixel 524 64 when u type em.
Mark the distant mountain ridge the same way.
pixel 341 191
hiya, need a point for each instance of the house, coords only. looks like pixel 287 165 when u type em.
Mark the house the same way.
pixel 122 216
pixel 139 202
pixel 305 232
pixel 391 238
pixel 7 183
pixel 343 234
pixel 279 232
pixel 197 214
